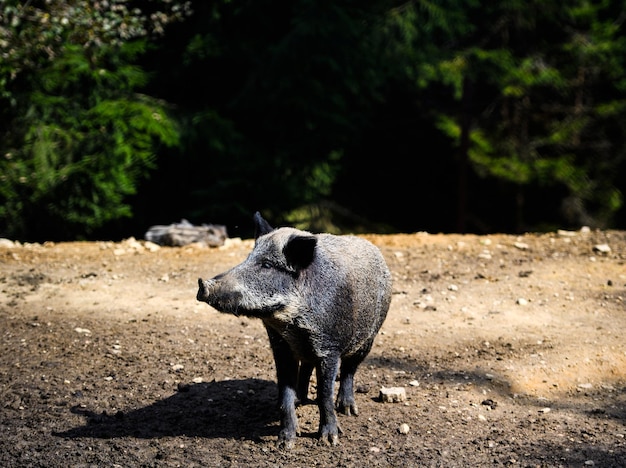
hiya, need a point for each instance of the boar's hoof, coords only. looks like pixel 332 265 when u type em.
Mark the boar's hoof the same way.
pixel 329 435
pixel 285 441
pixel 330 440
pixel 348 409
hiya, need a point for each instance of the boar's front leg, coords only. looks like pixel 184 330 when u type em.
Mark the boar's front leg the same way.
pixel 287 376
pixel 326 375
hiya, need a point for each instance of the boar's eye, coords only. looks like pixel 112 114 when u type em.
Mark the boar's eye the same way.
pixel 269 265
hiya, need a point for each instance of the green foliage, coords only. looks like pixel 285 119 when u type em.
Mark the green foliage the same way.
pixel 77 136
pixel 83 142
pixel 293 108
pixel 546 121
pixel 291 87
pixel 286 93
pixel 33 33
pixel 413 38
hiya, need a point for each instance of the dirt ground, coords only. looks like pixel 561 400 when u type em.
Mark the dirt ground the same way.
pixel 511 351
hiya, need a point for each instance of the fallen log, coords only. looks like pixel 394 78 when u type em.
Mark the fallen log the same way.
pixel 185 233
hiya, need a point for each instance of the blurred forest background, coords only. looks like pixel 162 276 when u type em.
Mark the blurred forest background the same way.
pixel 345 116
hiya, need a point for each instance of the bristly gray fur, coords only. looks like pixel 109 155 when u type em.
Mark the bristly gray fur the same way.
pixel 322 299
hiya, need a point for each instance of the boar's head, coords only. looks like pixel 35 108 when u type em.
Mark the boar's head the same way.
pixel 267 280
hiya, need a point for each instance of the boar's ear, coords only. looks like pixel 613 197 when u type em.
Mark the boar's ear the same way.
pixel 299 250
pixel 261 227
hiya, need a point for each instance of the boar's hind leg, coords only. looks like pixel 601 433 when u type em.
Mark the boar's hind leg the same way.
pixel 346 403
pixel 326 375
pixel 304 377
pixel 287 376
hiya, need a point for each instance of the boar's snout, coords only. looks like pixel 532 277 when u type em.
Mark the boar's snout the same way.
pixel 204 289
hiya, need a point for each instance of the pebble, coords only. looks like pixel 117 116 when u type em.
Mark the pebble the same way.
pixel 490 403
pixel 404 428
pixel 521 301
pixel 131 246
pixel 392 394
pixel 151 246
pixel 82 330
pixel 485 255
pixel 7 243
pixel 231 242
pixel 602 248
pixel 426 302
pixel 564 233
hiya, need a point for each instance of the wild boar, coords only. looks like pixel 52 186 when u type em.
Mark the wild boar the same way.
pixel 322 299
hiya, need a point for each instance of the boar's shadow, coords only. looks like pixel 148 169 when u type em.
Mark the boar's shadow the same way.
pixel 230 409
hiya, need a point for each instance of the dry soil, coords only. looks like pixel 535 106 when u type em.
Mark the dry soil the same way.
pixel 510 349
